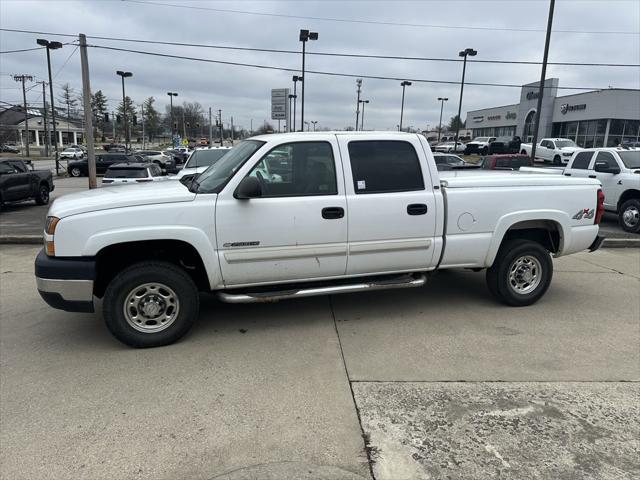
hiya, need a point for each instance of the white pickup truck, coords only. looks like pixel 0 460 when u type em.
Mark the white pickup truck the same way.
pixel 555 150
pixel 344 212
pixel 618 170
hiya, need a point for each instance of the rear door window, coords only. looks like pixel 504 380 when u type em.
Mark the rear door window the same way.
pixel 581 162
pixel 383 166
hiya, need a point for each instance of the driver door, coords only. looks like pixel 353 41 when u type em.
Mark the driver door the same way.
pixel 610 185
pixel 297 228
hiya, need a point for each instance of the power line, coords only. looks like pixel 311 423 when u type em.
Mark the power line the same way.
pixel 330 54
pixel 374 22
pixel 336 74
pixel 21 50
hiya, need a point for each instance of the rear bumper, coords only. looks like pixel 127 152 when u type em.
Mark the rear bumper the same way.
pixel 597 243
pixel 66 283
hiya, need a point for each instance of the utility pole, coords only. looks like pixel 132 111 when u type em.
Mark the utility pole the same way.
pixel 144 143
pixel 88 117
pixel 113 125
pixel 23 79
pixel 210 128
pixel 220 126
pixel 359 85
pixel 232 130
pixel 46 126
pixel 543 74
pixel 184 128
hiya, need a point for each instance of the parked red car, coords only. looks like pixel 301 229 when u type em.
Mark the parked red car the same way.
pixel 505 162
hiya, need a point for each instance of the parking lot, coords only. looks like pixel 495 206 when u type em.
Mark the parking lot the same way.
pixel 435 382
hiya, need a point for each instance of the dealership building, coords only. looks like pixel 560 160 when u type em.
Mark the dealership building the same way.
pixel 592 119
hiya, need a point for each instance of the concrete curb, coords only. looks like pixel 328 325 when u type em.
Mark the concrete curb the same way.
pixel 37 240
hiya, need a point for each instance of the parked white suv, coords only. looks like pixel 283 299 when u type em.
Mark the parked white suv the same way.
pixel 300 214
pixel 72 153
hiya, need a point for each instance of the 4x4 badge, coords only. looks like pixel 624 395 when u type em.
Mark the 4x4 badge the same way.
pixel 584 213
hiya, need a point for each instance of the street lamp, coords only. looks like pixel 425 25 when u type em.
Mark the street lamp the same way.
pixel 403 85
pixel 305 35
pixel 51 46
pixel 471 53
pixel 171 95
pixel 296 79
pixel 314 124
pixel 307 124
pixel 124 108
pixel 359 87
pixel 442 100
pixel 363 102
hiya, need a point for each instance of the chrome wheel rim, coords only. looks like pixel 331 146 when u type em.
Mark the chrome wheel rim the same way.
pixel 75 172
pixel 44 194
pixel 525 274
pixel 151 307
pixel 631 217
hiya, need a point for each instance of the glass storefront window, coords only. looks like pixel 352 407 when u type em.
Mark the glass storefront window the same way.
pixel 571 128
pixel 616 127
pixel 631 128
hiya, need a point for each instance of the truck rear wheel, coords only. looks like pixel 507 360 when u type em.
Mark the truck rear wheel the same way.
pixel 521 273
pixel 42 197
pixel 629 215
pixel 150 304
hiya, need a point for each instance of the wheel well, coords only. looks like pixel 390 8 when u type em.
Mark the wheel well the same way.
pixel 114 258
pixel 628 195
pixel 545 232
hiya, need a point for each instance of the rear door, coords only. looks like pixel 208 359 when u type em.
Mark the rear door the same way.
pixel 392 213
pixel 297 230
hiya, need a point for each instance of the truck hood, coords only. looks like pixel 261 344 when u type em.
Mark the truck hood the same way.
pixel 120 197
pixel 488 178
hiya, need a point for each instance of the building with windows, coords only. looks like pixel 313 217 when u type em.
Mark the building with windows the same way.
pixel 12 127
pixel 592 119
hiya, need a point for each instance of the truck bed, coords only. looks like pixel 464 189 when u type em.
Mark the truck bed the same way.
pixel 484 178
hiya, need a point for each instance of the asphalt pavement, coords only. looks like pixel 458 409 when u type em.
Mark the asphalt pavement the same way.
pixel 435 382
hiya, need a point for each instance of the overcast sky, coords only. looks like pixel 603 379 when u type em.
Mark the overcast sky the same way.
pixel 245 92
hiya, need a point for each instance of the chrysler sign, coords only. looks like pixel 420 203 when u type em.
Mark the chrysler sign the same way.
pixel 565 107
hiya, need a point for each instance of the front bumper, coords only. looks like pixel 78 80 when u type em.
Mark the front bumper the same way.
pixel 66 283
pixel 597 243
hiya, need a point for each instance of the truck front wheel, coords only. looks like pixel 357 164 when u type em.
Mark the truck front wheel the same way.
pixel 521 273
pixel 630 215
pixel 150 304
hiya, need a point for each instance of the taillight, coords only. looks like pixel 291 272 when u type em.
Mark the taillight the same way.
pixel 599 208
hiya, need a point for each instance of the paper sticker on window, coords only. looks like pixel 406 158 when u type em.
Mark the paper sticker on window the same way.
pixel 362 185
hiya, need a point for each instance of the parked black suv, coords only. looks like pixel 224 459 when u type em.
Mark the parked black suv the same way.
pixel 103 162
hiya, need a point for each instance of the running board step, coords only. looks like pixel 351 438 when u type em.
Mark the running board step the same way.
pixel 405 281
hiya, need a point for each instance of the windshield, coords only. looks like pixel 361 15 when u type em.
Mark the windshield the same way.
pixel 205 158
pixel 630 159
pixel 216 176
pixel 565 143
pixel 481 139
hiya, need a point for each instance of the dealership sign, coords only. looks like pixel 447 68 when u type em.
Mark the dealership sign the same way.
pixel 565 107
pixel 532 95
pixel 279 103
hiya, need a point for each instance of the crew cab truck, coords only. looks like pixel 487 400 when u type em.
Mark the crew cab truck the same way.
pixel 618 170
pixel 348 211
pixel 18 182
pixel 555 150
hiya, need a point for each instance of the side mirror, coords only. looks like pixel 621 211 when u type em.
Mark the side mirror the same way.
pixel 249 187
pixel 603 167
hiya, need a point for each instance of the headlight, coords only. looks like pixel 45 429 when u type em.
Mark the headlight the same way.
pixel 567 154
pixel 50 225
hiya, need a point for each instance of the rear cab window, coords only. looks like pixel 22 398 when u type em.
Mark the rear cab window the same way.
pixel 384 166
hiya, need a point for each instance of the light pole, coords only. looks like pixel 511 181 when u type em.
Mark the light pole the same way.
pixel 52 46
pixel 296 79
pixel 307 124
pixel 292 99
pixel 359 85
pixel 442 100
pixel 363 102
pixel 403 85
pixel 314 124
pixel 171 95
pixel 305 35
pixel 124 108
pixel 471 53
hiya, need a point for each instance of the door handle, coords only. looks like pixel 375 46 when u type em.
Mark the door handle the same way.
pixel 592 176
pixel 417 209
pixel 331 213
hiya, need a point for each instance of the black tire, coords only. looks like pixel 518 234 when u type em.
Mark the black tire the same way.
pixel 557 160
pixel 498 276
pixel 42 197
pixel 524 152
pixel 75 172
pixel 629 215
pixel 484 151
pixel 134 278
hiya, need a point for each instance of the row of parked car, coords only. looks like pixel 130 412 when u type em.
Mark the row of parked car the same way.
pixel 481 146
